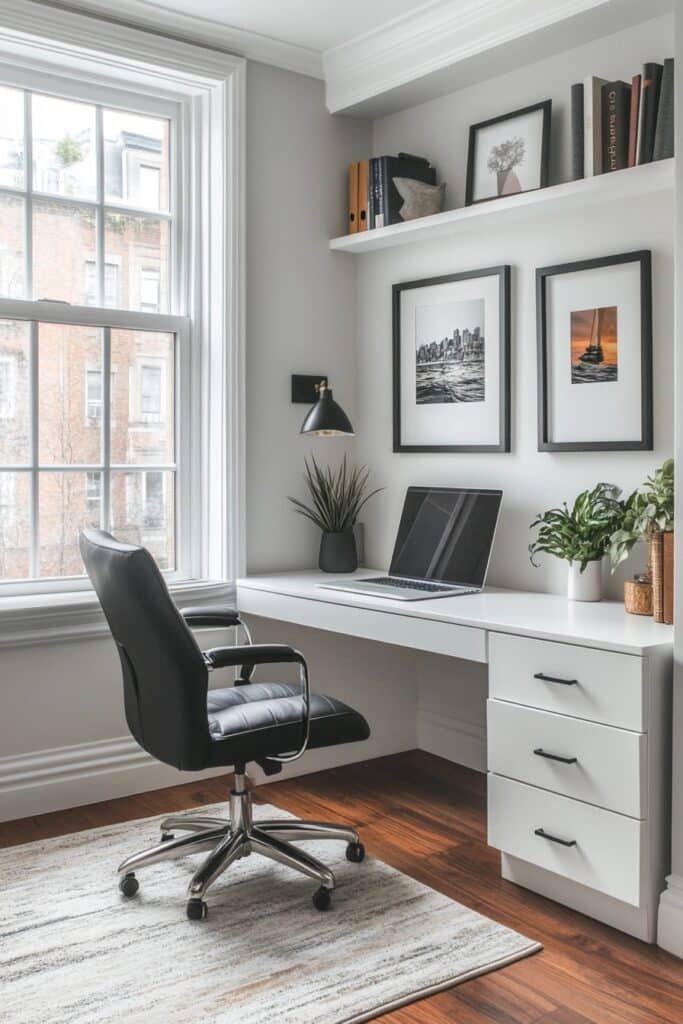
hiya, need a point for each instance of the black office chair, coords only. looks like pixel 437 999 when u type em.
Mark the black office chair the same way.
pixel 175 717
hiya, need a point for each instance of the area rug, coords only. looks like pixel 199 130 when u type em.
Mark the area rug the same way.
pixel 74 951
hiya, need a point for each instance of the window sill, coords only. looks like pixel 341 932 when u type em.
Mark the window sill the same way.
pixel 56 618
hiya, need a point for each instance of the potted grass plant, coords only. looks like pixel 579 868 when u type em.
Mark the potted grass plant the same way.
pixel 337 497
pixel 581 536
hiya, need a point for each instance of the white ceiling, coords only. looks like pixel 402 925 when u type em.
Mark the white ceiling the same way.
pixel 315 24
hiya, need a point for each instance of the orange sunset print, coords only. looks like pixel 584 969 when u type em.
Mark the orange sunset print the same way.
pixel 594 356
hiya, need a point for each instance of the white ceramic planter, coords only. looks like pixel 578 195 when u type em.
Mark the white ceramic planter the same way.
pixel 586 585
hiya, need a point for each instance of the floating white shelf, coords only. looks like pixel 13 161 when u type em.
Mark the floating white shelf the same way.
pixel 632 183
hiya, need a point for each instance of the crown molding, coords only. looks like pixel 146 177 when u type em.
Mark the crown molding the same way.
pixel 445 45
pixel 152 17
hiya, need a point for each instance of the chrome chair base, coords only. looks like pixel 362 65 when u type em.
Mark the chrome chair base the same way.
pixel 228 840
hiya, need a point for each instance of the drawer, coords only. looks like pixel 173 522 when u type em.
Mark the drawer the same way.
pixel 601 686
pixel 606 851
pixel 610 766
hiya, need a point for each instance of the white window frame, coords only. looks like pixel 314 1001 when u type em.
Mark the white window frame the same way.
pixel 208 88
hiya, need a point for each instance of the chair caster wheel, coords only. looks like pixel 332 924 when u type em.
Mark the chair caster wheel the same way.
pixel 322 899
pixel 129 884
pixel 165 836
pixel 196 909
pixel 355 852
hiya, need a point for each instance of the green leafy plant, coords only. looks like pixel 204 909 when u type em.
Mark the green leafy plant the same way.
pixel 649 510
pixel 337 495
pixel 69 151
pixel 582 533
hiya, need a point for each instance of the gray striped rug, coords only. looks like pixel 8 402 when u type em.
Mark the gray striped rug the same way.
pixel 73 951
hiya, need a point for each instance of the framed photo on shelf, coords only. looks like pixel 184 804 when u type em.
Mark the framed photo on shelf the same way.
pixel 451 363
pixel 594 324
pixel 509 154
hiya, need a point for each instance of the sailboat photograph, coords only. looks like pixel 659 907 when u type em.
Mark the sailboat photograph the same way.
pixel 594 345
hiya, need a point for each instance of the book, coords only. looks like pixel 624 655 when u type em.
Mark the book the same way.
pixel 372 192
pixel 592 125
pixel 405 165
pixel 657 570
pixel 663 146
pixel 353 199
pixel 668 577
pixel 363 195
pixel 578 169
pixel 633 121
pixel 649 100
pixel 616 109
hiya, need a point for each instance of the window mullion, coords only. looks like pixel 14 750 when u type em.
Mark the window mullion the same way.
pixel 34 515
pixel 28 201
pixel 99 222
pixel 105 514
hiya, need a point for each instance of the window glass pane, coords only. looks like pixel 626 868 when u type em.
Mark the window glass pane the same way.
pixel 64 160
pixel 142 428
pixel 64 509
pixel 14 526
pixel 12 282
pixel 64 243
pixel 12 138
pixel 14 392
pixel 143 511
pixel 139 247
pixel 69 396
pixel 136 164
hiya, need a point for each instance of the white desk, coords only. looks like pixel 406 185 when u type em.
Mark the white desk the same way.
pixel 586 682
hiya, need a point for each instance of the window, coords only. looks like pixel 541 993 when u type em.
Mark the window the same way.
pixel 149 289
pixel 85 200
pixel 111 163
pixel 111 284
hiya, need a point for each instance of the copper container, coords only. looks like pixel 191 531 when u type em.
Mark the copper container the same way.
pixel 638 597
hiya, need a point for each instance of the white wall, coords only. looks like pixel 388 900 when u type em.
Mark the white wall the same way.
pixel 301 297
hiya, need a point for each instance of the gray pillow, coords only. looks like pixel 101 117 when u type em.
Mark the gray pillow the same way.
pixel 419 199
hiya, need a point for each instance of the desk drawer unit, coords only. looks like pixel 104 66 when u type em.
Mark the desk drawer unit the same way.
pixel 598 764
pixel 594 847
pixel 600 686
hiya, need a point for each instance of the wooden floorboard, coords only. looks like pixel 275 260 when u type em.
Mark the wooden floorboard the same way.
pixel 427 817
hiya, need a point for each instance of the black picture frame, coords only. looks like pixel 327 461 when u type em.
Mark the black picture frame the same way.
pixel 646 441
pixel 546 107
pixel 503 445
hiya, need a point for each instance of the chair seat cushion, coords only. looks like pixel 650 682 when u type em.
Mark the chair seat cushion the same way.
pixel 262 719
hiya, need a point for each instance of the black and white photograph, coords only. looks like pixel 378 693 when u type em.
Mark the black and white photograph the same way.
pixel 509 154
pixel 451 362
pixel 450 352
pixel 595 354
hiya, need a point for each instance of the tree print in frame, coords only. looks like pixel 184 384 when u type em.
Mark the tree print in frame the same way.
pixel 509 154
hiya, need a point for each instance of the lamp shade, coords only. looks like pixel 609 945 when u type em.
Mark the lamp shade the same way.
pixel 326 418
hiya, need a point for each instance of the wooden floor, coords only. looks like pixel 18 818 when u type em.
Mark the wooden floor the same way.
pixel 426 817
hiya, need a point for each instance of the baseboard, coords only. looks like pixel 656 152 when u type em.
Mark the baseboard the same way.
pixel 50 780
pixel 670 922
pixel 449 737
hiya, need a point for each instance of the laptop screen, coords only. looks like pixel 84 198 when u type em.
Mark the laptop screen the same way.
pixel 446 535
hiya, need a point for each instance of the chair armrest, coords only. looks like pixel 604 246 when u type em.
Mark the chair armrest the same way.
pixel 210 615
pixel 268 654
pixel 252 654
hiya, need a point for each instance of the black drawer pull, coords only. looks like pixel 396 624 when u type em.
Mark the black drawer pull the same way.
pixel 540 752
pixel 554 839
pixel 555 679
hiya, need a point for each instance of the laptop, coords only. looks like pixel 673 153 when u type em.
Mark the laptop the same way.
pixel 442 548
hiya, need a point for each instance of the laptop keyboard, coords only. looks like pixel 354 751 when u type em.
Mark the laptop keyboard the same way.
pixel 389 581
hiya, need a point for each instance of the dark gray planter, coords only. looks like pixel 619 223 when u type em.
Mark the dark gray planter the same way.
pixel 338 552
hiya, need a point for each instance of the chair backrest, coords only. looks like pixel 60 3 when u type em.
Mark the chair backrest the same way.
pixel 165 678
